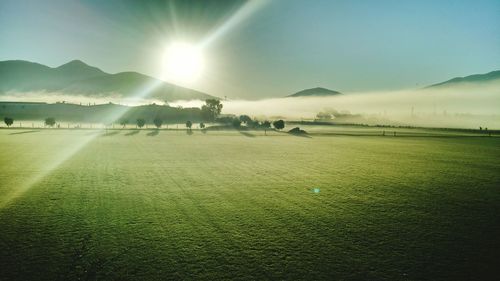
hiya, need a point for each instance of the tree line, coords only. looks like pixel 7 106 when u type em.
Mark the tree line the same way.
pixel 210 112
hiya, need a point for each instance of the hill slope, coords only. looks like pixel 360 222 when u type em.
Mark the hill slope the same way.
pixel 78 78
pixel 315 92
pixel 476 79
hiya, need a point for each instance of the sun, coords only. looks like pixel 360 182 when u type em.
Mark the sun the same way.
pixel 182 62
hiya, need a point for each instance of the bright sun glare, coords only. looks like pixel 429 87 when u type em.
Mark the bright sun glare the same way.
pixel 182 62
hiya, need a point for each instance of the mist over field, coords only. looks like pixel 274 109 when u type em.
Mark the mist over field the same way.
pixel 75 99
pixel 464 107
pixel 459 107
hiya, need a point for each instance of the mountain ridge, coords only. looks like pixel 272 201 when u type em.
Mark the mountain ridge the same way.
pixel 469 79
pixel 77 77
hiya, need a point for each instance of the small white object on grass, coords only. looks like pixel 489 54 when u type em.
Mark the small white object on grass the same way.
pixel 316 190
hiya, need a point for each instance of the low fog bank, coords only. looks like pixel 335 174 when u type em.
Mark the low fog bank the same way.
pixel 76 99
pixel 454 108
pixel 463 107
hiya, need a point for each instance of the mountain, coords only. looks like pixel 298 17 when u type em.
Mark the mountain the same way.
pixel 476 79
pixel 28 76
pixel 78 70
pixel 129 84
pixel 78 78
pixel 315 92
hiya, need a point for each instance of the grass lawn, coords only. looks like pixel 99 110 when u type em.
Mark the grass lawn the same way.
pixel 140 205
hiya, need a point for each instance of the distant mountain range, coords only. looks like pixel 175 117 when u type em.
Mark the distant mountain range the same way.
pixel 471 80
pixel 78 78
pixel 315 92
pixel 476 79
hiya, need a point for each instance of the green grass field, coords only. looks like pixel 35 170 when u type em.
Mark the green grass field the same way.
pixel 136 205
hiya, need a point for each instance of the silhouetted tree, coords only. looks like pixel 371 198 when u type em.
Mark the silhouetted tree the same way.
pixel 202 125
pixel 279 124
pixel 189 124
pixel 236 123
pixel 252 123
pixel 123 122
pixel 245 119
pixel 211 109
pixel 266 125
pixel 8 121
pixel 158 122
pixel 141 122
pixel 51 121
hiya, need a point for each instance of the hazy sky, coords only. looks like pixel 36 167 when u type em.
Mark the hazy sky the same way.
pixel 265 48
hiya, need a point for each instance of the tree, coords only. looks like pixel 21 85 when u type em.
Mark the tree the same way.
pixel 51 121
pixel 266 125
pixel 236 123
pixel 8 121
pixel 252 123
pixel 211 109
pixel 279 124
pixel 141 122
pixel 245 119
pixel 158 122
pixel 202 125
pixel 189 124
pixel 123 122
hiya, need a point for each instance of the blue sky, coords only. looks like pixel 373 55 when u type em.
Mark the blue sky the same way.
pixel 280 47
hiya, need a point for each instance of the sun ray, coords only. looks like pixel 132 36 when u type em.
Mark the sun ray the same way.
pixel 234 20
pixel 194 61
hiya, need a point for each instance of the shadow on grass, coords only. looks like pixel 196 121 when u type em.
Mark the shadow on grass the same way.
pixel 25 132
pixel 112 133
pixel 153 133
pixel 301 135
pixel 93 132
pixel 131 133
pixel 247 134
